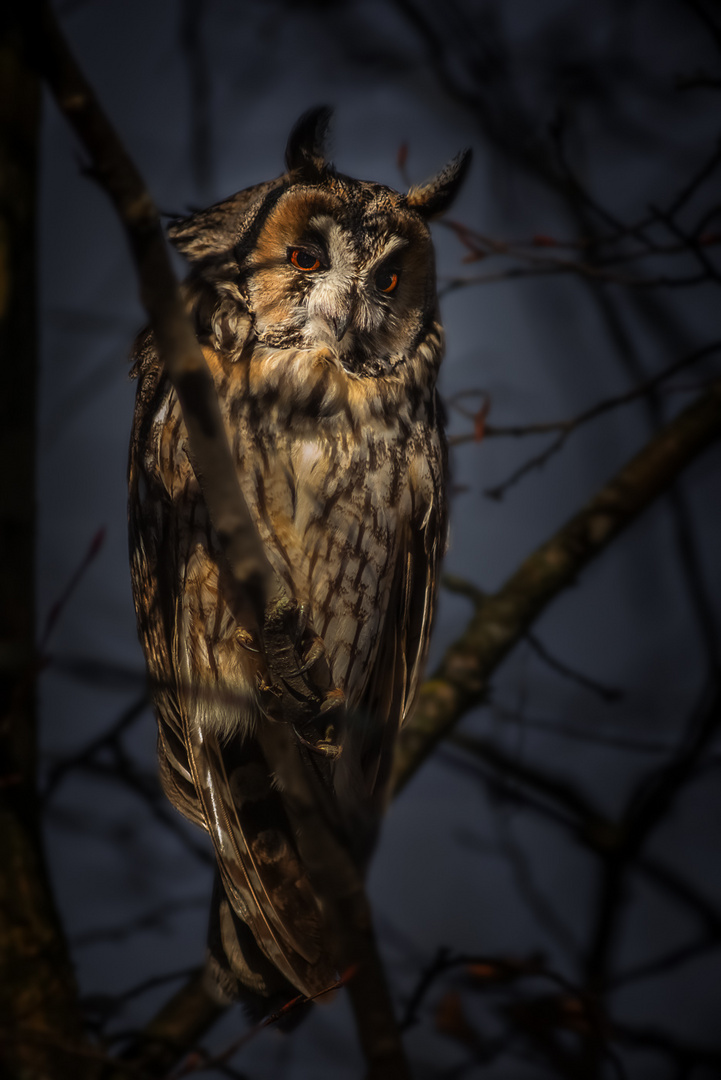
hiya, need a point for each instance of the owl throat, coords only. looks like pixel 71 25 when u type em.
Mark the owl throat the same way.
pixel 362 349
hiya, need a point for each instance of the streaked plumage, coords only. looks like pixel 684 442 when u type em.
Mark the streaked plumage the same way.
pixel 326 380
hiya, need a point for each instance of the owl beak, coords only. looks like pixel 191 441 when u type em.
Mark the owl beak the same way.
pixel 340 325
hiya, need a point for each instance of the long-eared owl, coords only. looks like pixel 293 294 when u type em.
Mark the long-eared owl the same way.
pixel 314 299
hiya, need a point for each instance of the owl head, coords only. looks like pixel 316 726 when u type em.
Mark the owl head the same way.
pixel 315 258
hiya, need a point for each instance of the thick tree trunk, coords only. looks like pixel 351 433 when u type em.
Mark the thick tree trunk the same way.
pixel 40 1020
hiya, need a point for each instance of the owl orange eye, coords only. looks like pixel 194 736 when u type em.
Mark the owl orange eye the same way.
pixel 386 281
pixel 303 260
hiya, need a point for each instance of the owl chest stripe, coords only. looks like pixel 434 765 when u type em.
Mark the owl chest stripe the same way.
pixel 330 511
pixel 264 511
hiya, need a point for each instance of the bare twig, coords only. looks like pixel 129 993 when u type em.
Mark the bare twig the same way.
pixel 562 793
pixel 173 1032
pixel 583 270
pixel 108 740
pixel 564 428
pixel 606 693
pixel 76 577
pixel 206 1061
pixel 156 918
pixel 615 739
pixel 606 252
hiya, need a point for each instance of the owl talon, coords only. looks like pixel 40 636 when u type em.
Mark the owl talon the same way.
pixel 334 699
pixel 311 656
pixel 314 651
pixel 325 746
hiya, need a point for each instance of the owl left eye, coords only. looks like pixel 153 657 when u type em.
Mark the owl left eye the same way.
pixel 386 280
pixel 304 260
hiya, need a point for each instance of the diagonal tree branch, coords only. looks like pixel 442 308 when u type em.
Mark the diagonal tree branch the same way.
pixel 160 294
pixel 335 877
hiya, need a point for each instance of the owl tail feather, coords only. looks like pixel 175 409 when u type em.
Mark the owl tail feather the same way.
pixel 267 922
pixel 239 971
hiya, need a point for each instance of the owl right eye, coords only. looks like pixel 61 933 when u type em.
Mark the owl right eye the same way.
pixel 303 260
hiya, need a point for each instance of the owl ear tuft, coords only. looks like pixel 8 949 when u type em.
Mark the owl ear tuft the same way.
pixel 436 195
pixel 210 233
pixel 199 236
pixel 305 152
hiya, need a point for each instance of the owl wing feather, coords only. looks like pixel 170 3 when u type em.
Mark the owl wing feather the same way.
pixel 148 547
pixel 222 785
pixel 211 767
pixel 262 876
pixel 403 646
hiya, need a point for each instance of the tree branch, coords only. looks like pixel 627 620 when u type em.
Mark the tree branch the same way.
pixel 332 871
pixel 178 347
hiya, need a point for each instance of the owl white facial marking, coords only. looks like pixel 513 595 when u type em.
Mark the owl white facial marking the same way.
pixel 332 295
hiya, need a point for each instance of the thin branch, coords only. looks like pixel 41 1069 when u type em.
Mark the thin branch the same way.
pixel 691 242
pixel 712 27
pixel 606 693
pixel 506 789
pixel 676 887
pixel 603 738
pixel 699 945
pixel 173 1032
pixel 704 173
pixel 583 270
pixel 106 1007
pixel 603 268
pixel 109 740
pixel 563 794
pixel 698 82
pixel 157 917
pixel 536 251
pixel 564 428
pixel 482 969
pixel 548 915
pixel 76 577
pixel 207 1061
pixel 653 797
pixel 462 587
